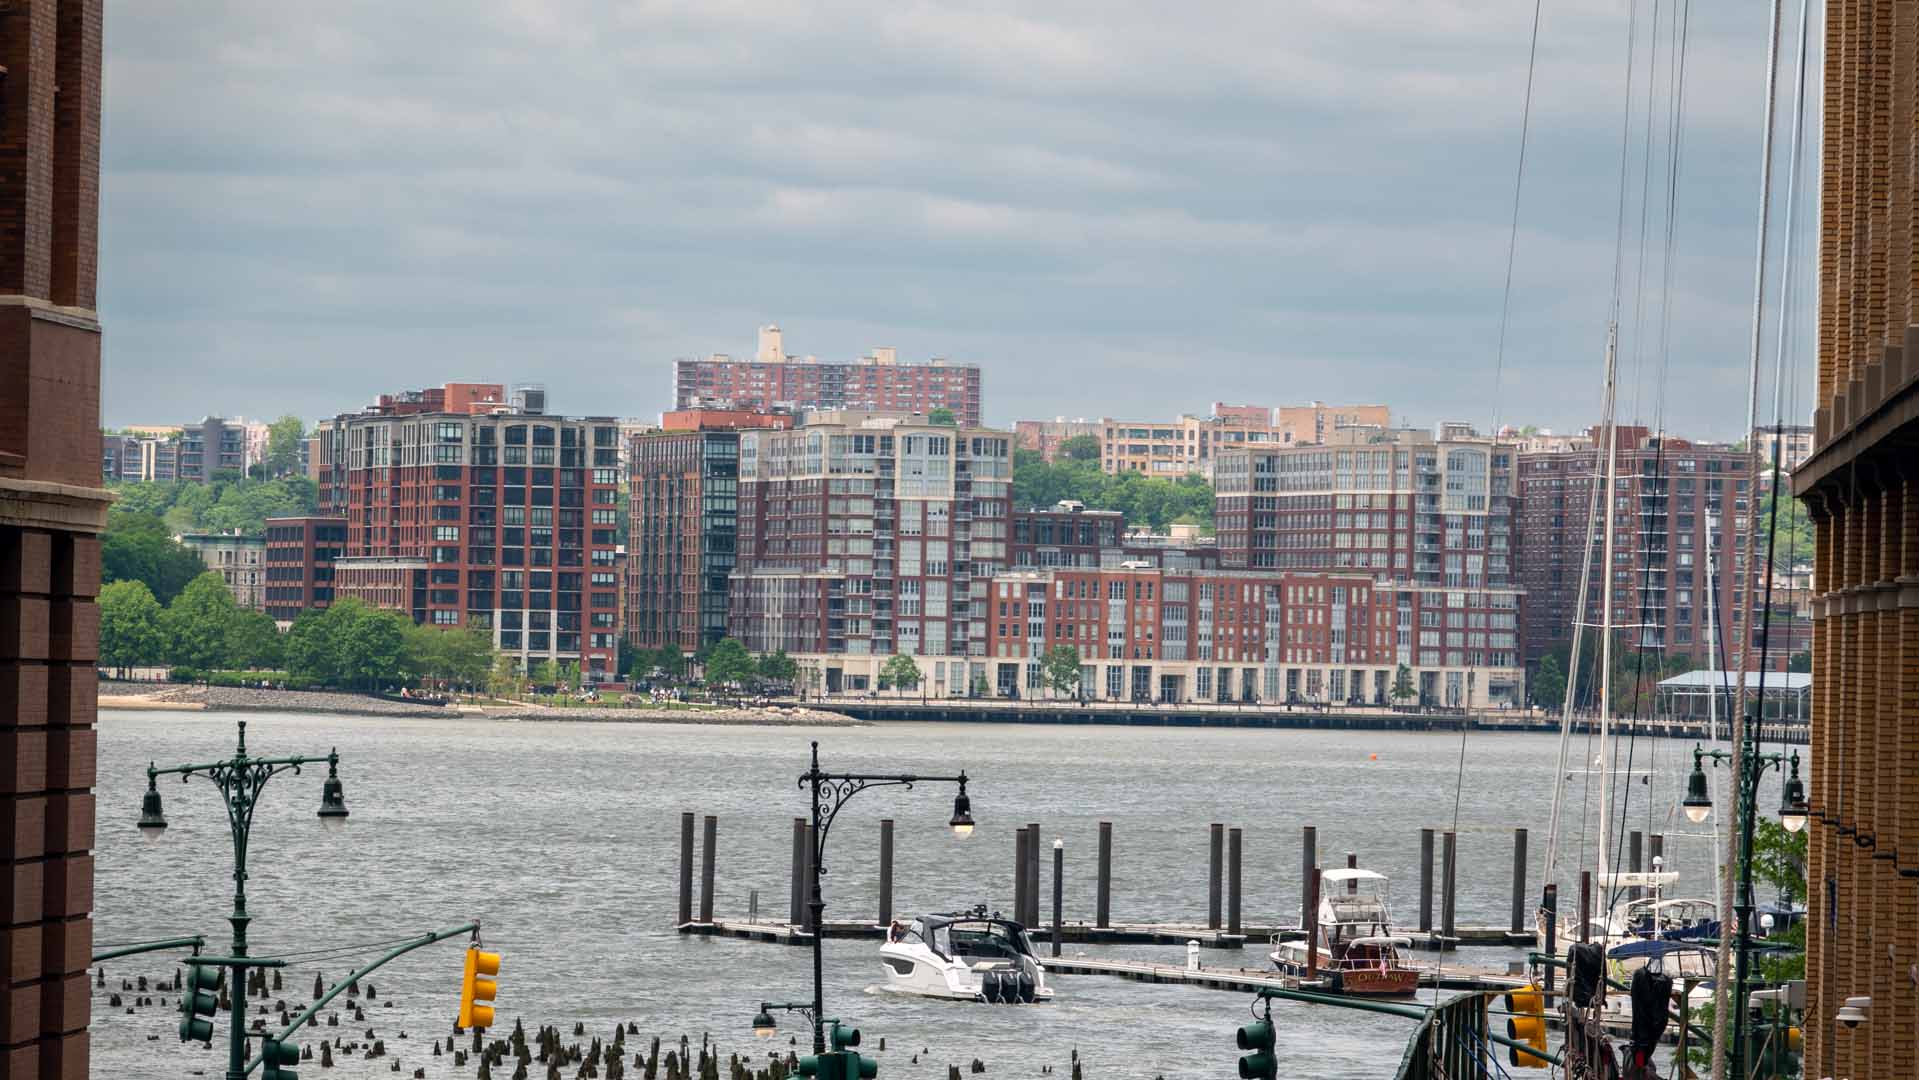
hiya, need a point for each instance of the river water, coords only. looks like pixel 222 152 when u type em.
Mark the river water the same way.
pixel 563 839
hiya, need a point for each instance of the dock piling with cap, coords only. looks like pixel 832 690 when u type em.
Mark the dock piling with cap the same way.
pixel 709 840
pixel 1104 913
pixel 1425 881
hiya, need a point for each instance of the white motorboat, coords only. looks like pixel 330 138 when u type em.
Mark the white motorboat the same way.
pixel 971 956
pixel 1353 948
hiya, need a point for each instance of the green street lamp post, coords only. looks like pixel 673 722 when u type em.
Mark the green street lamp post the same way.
pixel 830 792
pixel 240 779
pixel 1792 814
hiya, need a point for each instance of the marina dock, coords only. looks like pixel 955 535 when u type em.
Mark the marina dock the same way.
pixel 1176 934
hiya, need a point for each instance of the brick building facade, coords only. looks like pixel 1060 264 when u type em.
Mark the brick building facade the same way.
pixel 1433 519
pixel 51 514
pixel 878 382
pixel 1681 520
pixel 300 552
pixel 510 511
pixel 1861 489
pixel 864 534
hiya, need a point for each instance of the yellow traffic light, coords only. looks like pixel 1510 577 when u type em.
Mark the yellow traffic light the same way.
pixel 477 988
pixel 1526 1023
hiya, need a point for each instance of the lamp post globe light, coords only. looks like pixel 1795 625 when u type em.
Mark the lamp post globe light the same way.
pixel 830 791
pixel 240 778
pixel 1793 813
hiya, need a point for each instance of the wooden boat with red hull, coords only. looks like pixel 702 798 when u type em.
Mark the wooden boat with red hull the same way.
pixel 1354 949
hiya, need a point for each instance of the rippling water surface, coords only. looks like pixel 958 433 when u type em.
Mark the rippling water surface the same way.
pixel 564 840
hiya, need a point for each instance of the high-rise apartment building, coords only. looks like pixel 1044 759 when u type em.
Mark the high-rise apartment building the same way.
pixel 1681 512
pixel 1430 521
pixel 683 504
pixel 502 519
pixel 213 446
pixel 52 511
pixel 1178 447
pixel 1793 442
pixel 300 553
pixel 773 380
pixel 864 534
pixel 1862 491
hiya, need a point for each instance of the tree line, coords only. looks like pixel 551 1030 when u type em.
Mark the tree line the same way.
pixel 347 645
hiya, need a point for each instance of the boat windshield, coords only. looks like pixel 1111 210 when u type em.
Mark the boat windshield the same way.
pixel 984 941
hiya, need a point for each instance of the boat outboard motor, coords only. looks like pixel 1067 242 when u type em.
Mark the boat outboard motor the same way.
pixel 1651 996
pixel 1588 963
pixel 1006 986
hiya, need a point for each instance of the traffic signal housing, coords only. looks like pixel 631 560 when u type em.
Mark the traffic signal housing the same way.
pixel 1526 1023
pixel 1262 1063
pixel 477 988
pixel 275 1057
pixel 198 1003
pixel 853 1065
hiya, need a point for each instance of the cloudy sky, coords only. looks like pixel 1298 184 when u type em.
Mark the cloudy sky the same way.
pixel 1115 208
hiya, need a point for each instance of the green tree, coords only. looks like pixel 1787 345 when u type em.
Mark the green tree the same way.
pixel 546 673
pixel 137 546
pixel 1549 683
pixel 371 644
pixel 570 676
pixel 1078 448
pixel 1779 858
pixel 670 660
pixel 311 652
pixel 1154 501
pixel 1800 662
pixel 253 641
pixel 1060 664
pixel 199 622
pixel 899 672
pixel 504 681
pixel 777 667
pixel 943 416
pixel 284 437
pixel 129 626
pixel 1403 685
pixel 634 662
pixel 729 664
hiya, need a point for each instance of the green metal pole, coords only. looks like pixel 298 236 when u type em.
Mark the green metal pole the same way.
pixel 196 942
pixel 1752 768
pixel 240 817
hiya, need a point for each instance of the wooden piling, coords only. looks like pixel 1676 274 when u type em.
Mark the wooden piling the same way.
pixel 1059 892
pixel 795 916
pixel 886 871
pixel 686 867
pixel 809 848
pixel 1032 874
pixel 1551 904
pixel 1309 904
pixel 1585 905
pixel 1020 839
pixel 1215 860
pixel 1656 851
pixel 1105 910
pixel 1425 881
pixel 1448 882
pixel 1352 863
pixel 1308 876
pixel 1635 841
pixel 1519 880
pixel 1233 879
pixel 709 839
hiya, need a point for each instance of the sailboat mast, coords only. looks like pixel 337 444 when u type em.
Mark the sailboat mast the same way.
pixel 1610 434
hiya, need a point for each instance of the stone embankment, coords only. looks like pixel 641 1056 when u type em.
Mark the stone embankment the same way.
pixel 238 699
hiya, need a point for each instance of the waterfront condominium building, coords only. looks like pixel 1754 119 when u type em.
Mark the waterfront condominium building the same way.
pixel 1429 520
pixel 1043 437
pixel 213 446
pixel 300 553
pixel 131 455
pixel 1793 442
pixel 1145 633
pixel 502 519
pixel 683 493
pixel 1861 489
pixel 773 380
pixel 865 534
pixel 1680 517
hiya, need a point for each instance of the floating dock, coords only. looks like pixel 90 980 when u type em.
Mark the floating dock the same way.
pixel 782 933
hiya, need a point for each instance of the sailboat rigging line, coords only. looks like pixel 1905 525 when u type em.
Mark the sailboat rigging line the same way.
pixel 1720 990
pixel 1625 155
pixel 1645 214
pixel 1512 236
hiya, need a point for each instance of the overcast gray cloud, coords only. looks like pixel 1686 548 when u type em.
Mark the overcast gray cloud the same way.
pixel 1115 208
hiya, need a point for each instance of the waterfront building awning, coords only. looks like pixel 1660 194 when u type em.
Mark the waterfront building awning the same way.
pixel 1788 694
